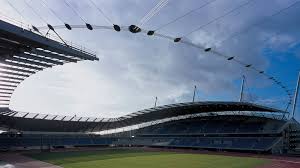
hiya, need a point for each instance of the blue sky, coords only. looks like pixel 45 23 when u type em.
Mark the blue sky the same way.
pixel 134 68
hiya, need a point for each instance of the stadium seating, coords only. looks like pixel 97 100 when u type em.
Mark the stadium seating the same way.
pixel 28 140
pixel 237 143
pixel 239 133
pixel 199 126
pixel 234 133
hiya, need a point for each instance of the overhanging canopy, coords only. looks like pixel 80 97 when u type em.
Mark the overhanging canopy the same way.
pixel 52 123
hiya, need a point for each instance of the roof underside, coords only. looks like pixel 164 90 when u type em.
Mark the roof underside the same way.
pixel 23 53
pixel 51 123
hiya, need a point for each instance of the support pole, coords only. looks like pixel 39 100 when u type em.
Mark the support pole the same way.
pixel 242 89
pixel 155 102
pixel 194 93
pixel 296 96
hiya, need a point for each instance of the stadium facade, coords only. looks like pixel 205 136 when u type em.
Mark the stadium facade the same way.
pixel 207 125
pixel 238 126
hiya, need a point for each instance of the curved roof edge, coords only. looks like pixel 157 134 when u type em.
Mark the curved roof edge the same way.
pixel 42 122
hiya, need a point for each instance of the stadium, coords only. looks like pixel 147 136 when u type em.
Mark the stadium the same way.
pixel 191 134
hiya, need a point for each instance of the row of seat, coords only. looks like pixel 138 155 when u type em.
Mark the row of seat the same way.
pixel 53 141
pixel 238 143
pixel 195 126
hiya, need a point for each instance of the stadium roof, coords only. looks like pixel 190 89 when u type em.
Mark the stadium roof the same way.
pixel 24 52
pixel 54 123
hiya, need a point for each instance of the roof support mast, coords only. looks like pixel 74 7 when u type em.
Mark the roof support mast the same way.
pixel 242 89
pixel 194 93
pixel 155 102
pixel 296 95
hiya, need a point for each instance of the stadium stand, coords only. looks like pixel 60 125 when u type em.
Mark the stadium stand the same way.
pixel 245 133
pixel 254 131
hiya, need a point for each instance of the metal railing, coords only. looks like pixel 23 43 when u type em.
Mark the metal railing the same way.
pixel 28 27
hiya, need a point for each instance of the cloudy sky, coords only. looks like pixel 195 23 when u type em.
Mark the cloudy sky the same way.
pixel 134 68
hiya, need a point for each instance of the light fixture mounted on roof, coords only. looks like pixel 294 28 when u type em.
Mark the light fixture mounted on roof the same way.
pixel 134 29
pixel 35 29
pixel 89 26
pixel 68 26
pixel 176 40
pixel 150 32
pixel 207 49
pixel 230 58
pixel 117 28
pixel 50 27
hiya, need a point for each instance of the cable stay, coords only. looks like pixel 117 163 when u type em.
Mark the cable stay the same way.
pixel 89 26
pixel 43 2
pixel 19 13
pixel 258 23
pixel 154 11
pixel 151 32
pixel 212 21
pixel 34 11
pixel 115 26
pixel 150 13
pixel 101 11
pixel 48 25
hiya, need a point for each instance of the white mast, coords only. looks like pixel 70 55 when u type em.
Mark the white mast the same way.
pixel 242 89
pixel 296 96
pixel 194 93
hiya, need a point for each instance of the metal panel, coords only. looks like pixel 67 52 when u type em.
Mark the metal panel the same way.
pixel 6 89
pixel 29 62
pixel 5 93
pixel 16 69
pixel 25 115
pixel 55 56
pixel 17 64
pixel 10 81
pixel 35 116
pixel 11 77
pixel 6 85
pixel 1 96
pixel 7 44
pixel 45 117
pixel 40 59
pixel 13 73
